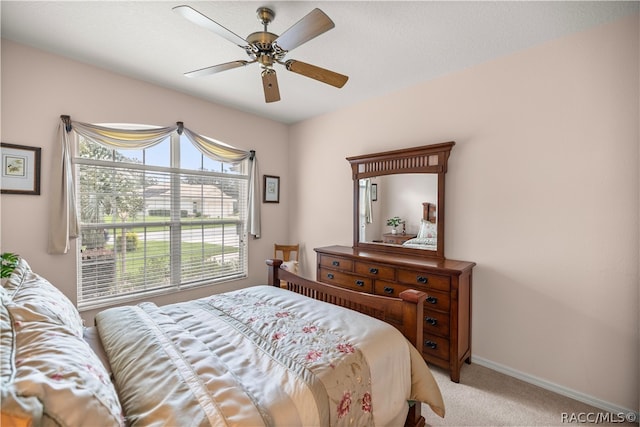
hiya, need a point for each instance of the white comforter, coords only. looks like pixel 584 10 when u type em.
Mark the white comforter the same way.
pixel 261 356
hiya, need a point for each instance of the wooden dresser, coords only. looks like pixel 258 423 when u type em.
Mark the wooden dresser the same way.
pixel 447 311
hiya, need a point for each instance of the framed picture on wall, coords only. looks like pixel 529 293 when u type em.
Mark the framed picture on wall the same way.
pixel 271 189
pixel 374 192
pixel 20 169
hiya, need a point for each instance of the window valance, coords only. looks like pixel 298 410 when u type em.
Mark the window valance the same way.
pixel 64 224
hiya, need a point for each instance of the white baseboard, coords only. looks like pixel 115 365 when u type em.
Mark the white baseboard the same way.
pixel 564 391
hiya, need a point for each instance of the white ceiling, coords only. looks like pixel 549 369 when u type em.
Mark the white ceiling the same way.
pixel 381 46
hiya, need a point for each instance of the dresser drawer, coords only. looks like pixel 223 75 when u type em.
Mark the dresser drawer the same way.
pixel 435 300
pixel 374 270
pixel 389 289
pixel 433 346
pixel 436 322
pixel 337 263
pixel 433 281
pixel 345 280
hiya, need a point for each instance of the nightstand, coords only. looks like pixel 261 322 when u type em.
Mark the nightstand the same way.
pixel 397 239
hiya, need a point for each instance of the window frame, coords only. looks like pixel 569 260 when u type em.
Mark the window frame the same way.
pixel 174 224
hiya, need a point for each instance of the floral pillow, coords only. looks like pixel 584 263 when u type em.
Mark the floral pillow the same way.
pixel 16 410
pixel 428 230
pixel 17 276
pixel 38 300
pixel 6 344
pixel 291 266
pixel 19 410
pixel 59 370
pixel 49 374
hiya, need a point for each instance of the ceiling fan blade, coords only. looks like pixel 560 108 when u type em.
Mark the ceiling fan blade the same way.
pixel 325 76
pixel 270 85
pixel 217 68
pixel 211 25
pixel 312 25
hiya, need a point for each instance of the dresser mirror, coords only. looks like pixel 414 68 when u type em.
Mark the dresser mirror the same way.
pixel 399 200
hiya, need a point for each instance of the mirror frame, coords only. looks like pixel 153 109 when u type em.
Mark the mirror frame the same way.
pixel 424 159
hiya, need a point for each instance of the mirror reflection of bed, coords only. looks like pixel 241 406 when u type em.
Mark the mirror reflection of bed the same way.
pixel 399 195
pixel 427 235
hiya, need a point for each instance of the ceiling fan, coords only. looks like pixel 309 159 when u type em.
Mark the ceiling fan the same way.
pixel 267 48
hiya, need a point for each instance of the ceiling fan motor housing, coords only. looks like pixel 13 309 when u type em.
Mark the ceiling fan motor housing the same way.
pixel 261 48
pixel 261 43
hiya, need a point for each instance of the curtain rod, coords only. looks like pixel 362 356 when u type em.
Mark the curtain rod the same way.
pixel 67 125
pixel 67 122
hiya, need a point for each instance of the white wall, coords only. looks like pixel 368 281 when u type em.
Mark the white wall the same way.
pixel 542 192
pixel 38 87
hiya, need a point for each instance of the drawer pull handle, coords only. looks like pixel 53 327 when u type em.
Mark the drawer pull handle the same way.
pixel 422 279
pixel 336 263
pixel 373 270
pixel 431 321
pixel 432 300
pixel 432 345
pixel 388 290
pixel 360 282
pixel 330 275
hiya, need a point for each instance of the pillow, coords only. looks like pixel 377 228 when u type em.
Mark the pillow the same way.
pixel 420 242
pixel 90 335
pixel 6 344
pixel 291 266
pixel 428 230
pixel 61 371
pixel 38 300
pixel 50 375
pixel 17 275
pixel 16 410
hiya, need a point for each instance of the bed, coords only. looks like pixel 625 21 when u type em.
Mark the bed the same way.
pixel 427 234
pixel 290 352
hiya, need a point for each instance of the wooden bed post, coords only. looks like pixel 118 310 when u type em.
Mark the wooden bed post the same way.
pixel 413 309
pixel 414 417
pixel 274 267
pixel 413 313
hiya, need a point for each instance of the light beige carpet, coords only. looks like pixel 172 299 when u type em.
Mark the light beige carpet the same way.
pixel 485 397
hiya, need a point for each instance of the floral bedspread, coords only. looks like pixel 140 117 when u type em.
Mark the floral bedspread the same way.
pixel 257 356
pixel 332 367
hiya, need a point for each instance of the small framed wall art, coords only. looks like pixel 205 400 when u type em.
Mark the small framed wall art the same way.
pixel 271 189
pixel 20 169
pixel 374 192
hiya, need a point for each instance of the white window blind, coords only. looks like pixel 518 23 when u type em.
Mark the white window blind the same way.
pixel 157 220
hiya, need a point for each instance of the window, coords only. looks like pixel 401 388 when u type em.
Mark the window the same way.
pixel 157 220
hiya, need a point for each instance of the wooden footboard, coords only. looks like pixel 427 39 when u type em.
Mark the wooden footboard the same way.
pixel 404 313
